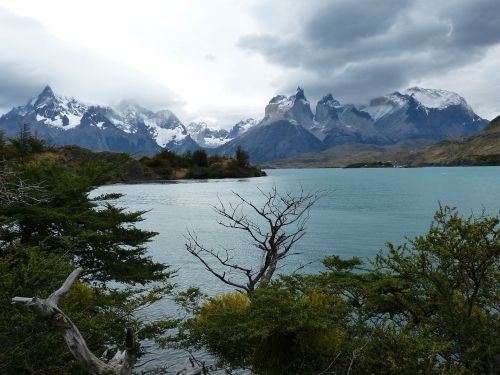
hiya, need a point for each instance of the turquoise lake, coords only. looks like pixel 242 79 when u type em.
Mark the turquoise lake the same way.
pixel 362 209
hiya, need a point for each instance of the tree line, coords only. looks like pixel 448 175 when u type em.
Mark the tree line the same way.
pixel 199 164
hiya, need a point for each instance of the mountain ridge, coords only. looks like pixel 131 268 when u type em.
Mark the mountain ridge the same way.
pixel 412 114
pixel 387 120
pixel 482 148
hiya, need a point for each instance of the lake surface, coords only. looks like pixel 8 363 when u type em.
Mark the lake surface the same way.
pixel 362 209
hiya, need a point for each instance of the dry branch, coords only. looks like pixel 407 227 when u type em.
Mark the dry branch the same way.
pixel 123 361
pixel 280 225
pixel 14 190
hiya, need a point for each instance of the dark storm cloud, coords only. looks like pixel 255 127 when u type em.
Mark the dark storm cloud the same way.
pixel 475 23
pixel 358 49
pixel 343 22
pixel 31 58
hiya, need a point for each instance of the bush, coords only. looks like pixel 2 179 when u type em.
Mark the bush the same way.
pixel 430 306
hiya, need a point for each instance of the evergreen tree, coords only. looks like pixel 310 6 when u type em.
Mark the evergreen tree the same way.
pixel 43 238
pixel 241 157
pixel 200 158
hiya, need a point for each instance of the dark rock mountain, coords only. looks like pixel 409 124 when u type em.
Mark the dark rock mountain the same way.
pixel 336 124
pixel 413 115
pixel 274 141
pixel 282 132
pixel 62 120
pixel 295 109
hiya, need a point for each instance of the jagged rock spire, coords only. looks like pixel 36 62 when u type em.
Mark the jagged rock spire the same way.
pixel 300 93
pixel 47 92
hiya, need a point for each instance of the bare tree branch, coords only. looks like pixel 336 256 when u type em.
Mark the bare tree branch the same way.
pixel 274 228
pixel 123 361
pixel 15 190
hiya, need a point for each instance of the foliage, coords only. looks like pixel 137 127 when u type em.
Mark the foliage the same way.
pixel 43 238
pixel 430 306
pixel 169 165
pixel 241 157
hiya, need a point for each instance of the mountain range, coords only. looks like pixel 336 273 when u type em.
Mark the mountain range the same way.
pixel 289 126
pixel 482 148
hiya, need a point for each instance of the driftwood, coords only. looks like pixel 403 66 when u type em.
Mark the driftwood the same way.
pixel 123 361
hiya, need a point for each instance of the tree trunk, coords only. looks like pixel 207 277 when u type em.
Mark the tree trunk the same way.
pixel 123 361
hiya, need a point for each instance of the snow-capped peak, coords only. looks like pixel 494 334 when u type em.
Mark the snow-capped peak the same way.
pixel 205 135
pixel 294 108
pixel 329 101
pixel 434 98
pixel 133 111
pixel 44 97
pixel 196 127
pixel 426 99
pixel 284 102
pixel 56 110
pixel 164 126
pixel 242 127
pixel 245 125
pixel 66 113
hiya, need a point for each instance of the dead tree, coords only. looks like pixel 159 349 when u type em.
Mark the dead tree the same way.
pixel 276 226
pixel 123 361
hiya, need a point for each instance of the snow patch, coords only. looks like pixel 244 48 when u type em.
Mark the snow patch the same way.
pixel 58 121
pixel 433 98
pixel 378 111
pixel 214 141
pixel 74 120
pixel 164 136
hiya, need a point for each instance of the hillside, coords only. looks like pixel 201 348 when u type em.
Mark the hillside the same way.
pixel 354 153
pixel 479 149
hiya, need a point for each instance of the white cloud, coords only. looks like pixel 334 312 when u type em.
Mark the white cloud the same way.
pixel 187 55
pixel 168 41
pixel 32 58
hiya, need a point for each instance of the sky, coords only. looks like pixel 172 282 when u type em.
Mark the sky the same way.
pixel 222 60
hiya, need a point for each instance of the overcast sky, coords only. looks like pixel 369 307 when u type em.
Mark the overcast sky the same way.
pixel 222 60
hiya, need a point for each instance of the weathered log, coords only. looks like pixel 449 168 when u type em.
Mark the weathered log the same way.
pixel 121 364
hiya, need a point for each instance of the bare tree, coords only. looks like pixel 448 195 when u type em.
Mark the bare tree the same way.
pixel 273 228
